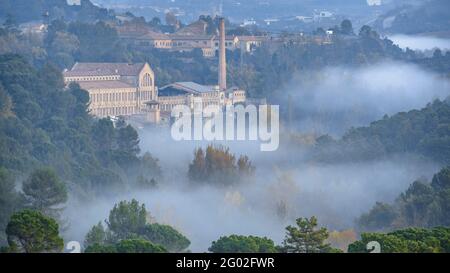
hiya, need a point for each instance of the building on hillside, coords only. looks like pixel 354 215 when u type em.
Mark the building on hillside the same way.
pixel 187 39
pixel 190 93
pixel 198 27
pixel 193 94
pixel 250 43
pixel 33 27
pixel 191 42
pixel 117 89
pixel 122 89
pixel 231 42
pixel 143 37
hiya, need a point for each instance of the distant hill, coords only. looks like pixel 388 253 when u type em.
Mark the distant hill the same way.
pixel 21 11
pixel 424 132
pixel 430 16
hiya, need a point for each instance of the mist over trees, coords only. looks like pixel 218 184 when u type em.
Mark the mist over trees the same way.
pixel 218 165
pixel 424 132
pixel 128 230
pixel 53 150
pixel 423 204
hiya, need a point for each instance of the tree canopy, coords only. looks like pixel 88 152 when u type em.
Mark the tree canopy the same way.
pixel 243 244
pixel 127 222
pixel 423 204
pixel 305 237
pixel 217 165
pixel 410 240
pixel 30 231
pixel 43 191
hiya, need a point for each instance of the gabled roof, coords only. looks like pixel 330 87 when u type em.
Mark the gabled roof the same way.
pixel 191 37
pixel 104 69
pixel 88 85
pixel 196 28
pixel 252 38
pixel 189 87
pixel 194 87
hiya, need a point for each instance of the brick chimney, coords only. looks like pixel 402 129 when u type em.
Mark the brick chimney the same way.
pixel 222 56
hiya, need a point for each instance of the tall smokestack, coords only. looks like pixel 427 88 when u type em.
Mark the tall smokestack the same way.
pixel 222 56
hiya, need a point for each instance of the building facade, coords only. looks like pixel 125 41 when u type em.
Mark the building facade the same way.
pixel 183 40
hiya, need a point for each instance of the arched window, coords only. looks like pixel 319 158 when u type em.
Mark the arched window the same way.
pixel 147 81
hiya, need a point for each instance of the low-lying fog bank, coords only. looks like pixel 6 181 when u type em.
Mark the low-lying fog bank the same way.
pixel 332 100
pixel 336 194
pixel 422 43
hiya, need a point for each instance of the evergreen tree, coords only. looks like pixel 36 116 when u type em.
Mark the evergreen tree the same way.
pixel 30 231
pixel 44 191
pixel 305 237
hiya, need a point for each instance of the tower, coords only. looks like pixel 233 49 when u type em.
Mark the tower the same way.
pixel 222 56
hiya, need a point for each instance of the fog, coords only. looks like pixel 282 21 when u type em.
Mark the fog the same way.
pixel 334 99
pixel 335 193
pixel 422 43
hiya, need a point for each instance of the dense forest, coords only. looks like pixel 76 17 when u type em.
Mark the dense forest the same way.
pixel 424 132
pixel 423 204
pixel 42 125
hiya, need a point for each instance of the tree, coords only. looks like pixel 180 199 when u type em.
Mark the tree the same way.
pixel 100 248
pixel 171 19
pixel 381 215
pixel 127 246
pixel 138 246
pixel 30 231
pixel 106 46
pixel 127 223
pixel 103 134
pixel 10 23
pixel 197 169
pixel 218 165
pixel 128 140
pixel 243 244
pixel 441 180
pixel 347 27
pixel 423 204
pixel 82 98
pixel 44 190
pixel 305 237
pixel 96 236
pixel 437 54
pixel 166 236
pixel 155 22
pixel 150 166
pixel 9 201
pixel 5 103
pixel 410 240
pixel 127 219
pixel 245 167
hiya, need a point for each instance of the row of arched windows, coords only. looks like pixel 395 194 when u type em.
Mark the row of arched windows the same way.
pixel 147 80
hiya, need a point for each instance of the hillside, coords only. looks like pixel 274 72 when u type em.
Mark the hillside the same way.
pixel 431 16
pixel 21 11
pixel 424 132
